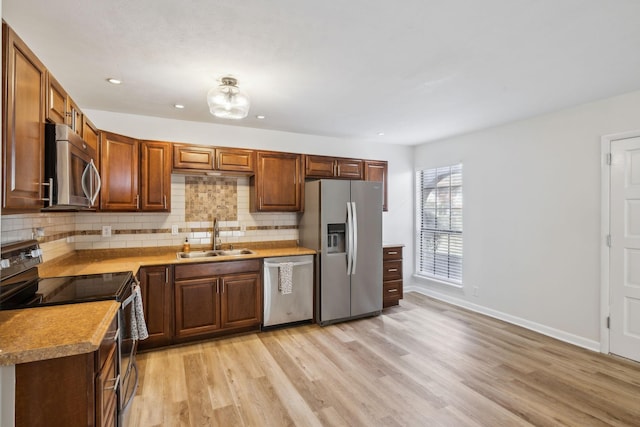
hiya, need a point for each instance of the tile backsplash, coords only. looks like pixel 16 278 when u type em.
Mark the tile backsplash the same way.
pixel 194 201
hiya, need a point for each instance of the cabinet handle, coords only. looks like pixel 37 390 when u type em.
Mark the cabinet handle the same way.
pixel 392 253
pixel 392 290
pixel 217 286
pixel 165 201
pixel 166 275
pixel 392 270
pixel 116 383
pixel 50 185
pixel 137 201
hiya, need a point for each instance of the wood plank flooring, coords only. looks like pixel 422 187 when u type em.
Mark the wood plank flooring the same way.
pixel 425 363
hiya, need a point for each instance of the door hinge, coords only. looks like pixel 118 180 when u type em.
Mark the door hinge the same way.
pixel 608 322
pixel 608 158
pixel 609 240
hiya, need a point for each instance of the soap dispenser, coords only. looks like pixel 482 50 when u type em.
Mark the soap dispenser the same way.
pixel 186 247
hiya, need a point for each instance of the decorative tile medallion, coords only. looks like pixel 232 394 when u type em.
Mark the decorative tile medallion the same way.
pixel 207 197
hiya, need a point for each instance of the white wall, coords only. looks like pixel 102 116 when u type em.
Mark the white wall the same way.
pixel 397 222
pixel 532 217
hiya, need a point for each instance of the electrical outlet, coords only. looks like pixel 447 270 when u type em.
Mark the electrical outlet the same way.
pixel 476 291
pixel 174 230
pixel 243 227
pixel 106 231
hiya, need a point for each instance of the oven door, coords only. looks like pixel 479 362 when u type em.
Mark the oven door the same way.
pixel 128 349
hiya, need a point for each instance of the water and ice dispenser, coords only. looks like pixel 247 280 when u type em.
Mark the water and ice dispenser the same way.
pixel 336 238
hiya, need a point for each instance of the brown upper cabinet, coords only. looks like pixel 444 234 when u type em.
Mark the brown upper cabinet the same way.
pixel 235 160
pixel 60 108
pixel 57 100
pixel 155 174
pixel 333 167
pixel 136 176
pixel 277 185
pixel 119 160
pixel 90 133
pixel 196 159
pixel 24 97
pixel 377 171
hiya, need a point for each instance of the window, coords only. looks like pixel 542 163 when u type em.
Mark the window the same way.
pixel 439 211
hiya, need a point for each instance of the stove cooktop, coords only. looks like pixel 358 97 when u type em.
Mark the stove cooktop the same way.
pixel 34 292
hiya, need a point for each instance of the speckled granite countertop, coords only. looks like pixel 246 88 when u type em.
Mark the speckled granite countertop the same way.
pixel 131 259
pixel 56 331
pixel 48 332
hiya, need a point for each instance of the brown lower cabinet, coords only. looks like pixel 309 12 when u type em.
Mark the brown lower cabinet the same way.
pixel 156 285
pixel 200 300
pixel 391 276
pixel 70 391
pixel 217 297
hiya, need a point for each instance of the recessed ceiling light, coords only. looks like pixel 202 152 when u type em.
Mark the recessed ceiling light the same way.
pixel 178 106
pixel 380 133
pixel 114 81
pixel 260 117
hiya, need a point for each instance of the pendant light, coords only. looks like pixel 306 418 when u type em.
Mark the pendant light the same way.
pixel 227 101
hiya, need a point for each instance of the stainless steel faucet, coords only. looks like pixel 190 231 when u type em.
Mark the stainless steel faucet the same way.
pixel 215 235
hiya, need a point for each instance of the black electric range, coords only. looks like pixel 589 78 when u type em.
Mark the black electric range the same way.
pixel 20 286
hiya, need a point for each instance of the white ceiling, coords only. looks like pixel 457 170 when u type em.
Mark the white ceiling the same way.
pixel 417 70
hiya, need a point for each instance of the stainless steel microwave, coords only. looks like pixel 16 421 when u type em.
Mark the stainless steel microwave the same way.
pixel 73 179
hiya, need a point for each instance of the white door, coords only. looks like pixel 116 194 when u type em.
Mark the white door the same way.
pixel 625 248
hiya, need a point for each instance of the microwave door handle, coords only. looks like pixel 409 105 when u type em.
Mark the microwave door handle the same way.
pixel 96 191
pixel 92 196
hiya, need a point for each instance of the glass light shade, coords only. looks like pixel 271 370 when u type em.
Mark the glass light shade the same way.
pixel 227 101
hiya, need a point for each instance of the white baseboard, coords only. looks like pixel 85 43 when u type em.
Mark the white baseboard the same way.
pixel 537 327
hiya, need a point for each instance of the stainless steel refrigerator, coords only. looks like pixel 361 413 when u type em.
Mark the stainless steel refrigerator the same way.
pixel 342 221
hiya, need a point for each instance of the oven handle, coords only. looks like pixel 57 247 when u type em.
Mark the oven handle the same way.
pixel 129 300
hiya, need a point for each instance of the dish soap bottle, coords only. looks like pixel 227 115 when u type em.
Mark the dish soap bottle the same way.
pixel 186 247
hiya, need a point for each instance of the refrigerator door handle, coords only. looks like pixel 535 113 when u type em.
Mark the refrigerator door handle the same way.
pixel 349 238
pixel 354 252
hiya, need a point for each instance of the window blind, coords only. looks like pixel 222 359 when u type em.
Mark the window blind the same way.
pixel 440 220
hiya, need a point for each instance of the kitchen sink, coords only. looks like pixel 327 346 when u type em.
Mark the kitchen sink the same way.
pixel 235 252
pixel 214 253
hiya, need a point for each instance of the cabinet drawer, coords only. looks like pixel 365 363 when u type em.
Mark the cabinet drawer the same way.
pixel 392 253
pixel 392 289
pixel 208 269
pixel 392 270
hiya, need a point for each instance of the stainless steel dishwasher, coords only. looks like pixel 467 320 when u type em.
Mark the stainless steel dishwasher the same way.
pixel 295 304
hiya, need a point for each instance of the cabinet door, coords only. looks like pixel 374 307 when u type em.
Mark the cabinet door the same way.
pixel 197 307
pixel 56 110
pixel 155 171
pixel 377 171
pixel 319 167
pixel 155 283
pixel 235 160
pixel 277 184
pixel 23 93
pixel 193 158
pixel 349 168
pixel 90 133
pixel 119 173
pixel 241 300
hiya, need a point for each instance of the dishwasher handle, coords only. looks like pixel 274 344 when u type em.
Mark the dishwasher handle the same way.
pixel 295 264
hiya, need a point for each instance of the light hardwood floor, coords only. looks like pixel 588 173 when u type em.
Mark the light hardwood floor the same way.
pixel 425 363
